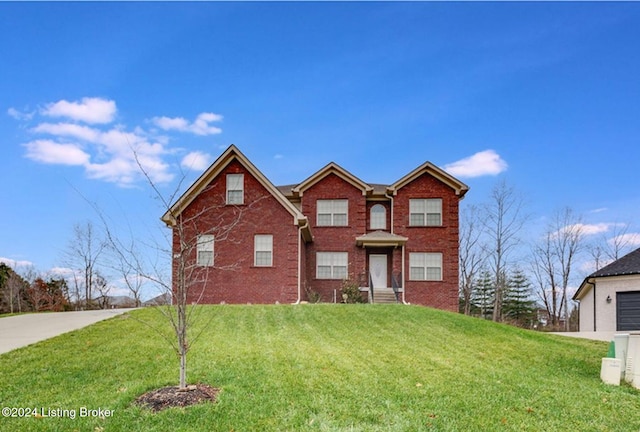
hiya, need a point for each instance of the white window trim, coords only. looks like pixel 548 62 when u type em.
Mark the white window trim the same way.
pixel 205 245
pixel 427 208
pixel 262 243
pixel 332 208
pixel 335 262
pixel 427 263
pixel 235 185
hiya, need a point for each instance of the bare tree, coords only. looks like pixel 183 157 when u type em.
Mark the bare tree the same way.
pixel 554 256
pixel 611 247
pixel 471 254
pixel 188 279
pixel 504 218
pixel 82 255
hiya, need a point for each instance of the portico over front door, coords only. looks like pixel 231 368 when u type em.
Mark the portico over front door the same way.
pixel 378 270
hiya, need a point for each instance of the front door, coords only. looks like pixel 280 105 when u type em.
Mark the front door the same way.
pixel 378 270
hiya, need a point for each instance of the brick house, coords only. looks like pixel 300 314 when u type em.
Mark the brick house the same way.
pixel 245 240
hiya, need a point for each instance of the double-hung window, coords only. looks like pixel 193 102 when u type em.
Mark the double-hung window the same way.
pixel 425 212
pixel 331 265
pixel 204 250
pixel 425 266
pixel 235 188
pixel 263 250
pixel 332 212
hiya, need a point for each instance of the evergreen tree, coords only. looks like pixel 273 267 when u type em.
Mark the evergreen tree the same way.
pixel 483 294
pixel 518 307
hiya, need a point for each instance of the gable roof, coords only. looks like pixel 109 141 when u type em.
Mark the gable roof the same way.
pixel 229 155
pixel 429 168
pixel 332 168
pixel 627 265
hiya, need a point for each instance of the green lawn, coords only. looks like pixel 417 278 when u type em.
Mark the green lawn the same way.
pixel 322 368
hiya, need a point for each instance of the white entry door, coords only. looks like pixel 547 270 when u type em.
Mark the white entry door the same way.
pixel 378 270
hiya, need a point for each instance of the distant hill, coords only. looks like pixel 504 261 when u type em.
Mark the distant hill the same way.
pixel 162 299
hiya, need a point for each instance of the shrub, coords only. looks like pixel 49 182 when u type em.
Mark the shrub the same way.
pixel 351 292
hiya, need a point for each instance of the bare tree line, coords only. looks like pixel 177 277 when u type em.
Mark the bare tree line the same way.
pixel 492 245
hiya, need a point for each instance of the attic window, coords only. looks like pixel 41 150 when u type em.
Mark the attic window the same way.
pixel 235 188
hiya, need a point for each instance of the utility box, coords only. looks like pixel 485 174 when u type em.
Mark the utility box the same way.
pixel 632 366
pixel 610 371
pixel 622 347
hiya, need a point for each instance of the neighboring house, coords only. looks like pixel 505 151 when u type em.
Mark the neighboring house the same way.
pixel 249 241
pixel 610 297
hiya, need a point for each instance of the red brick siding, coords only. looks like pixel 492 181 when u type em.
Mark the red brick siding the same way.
pixel 444 239
pixel 234 278
pixel 335 239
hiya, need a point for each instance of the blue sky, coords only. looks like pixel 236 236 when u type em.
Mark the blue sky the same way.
pixel 546 96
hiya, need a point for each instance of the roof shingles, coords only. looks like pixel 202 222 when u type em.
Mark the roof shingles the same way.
pixel 627 265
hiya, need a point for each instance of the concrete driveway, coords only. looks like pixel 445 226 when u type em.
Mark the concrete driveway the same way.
pixel 599 336
pixel 22 330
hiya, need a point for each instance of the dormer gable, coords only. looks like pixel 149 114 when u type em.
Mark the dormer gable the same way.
pixel 428 168
pixel 329 169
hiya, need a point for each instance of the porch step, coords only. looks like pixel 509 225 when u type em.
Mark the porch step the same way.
pixel 384 295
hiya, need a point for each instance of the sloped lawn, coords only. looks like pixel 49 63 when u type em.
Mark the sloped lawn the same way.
pixel 320 368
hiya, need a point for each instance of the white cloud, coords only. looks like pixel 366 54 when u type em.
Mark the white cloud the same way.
pixel 167 123
pixel 587 229
pixel 18 115
pixel 16 263
pixel 68 129
pixel 112 153
pixel 486 162
pixel 51 152
pixel 630 239
pixel 200 126
pixel 88 110
pixel 197 161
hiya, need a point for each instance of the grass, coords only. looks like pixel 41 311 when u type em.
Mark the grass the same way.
pixel 323 368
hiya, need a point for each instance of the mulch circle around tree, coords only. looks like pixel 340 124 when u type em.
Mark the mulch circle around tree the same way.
pixel 170 397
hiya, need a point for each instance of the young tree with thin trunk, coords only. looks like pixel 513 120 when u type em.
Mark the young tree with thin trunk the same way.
pixel 503 221
pixel 188 279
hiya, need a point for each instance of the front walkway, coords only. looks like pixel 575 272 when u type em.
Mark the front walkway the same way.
pixel 22 330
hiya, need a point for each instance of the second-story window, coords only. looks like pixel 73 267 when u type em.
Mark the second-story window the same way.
pixel 235 188
pixel 425 212
pixel 378 217
pixel 333 212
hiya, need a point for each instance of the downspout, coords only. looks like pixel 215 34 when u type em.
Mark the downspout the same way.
pixel 403 299
pixel 386 194
pixel 390 197
pixel 300 228
pixel 594 306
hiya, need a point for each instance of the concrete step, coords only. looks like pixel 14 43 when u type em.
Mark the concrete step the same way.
pixel 384 296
